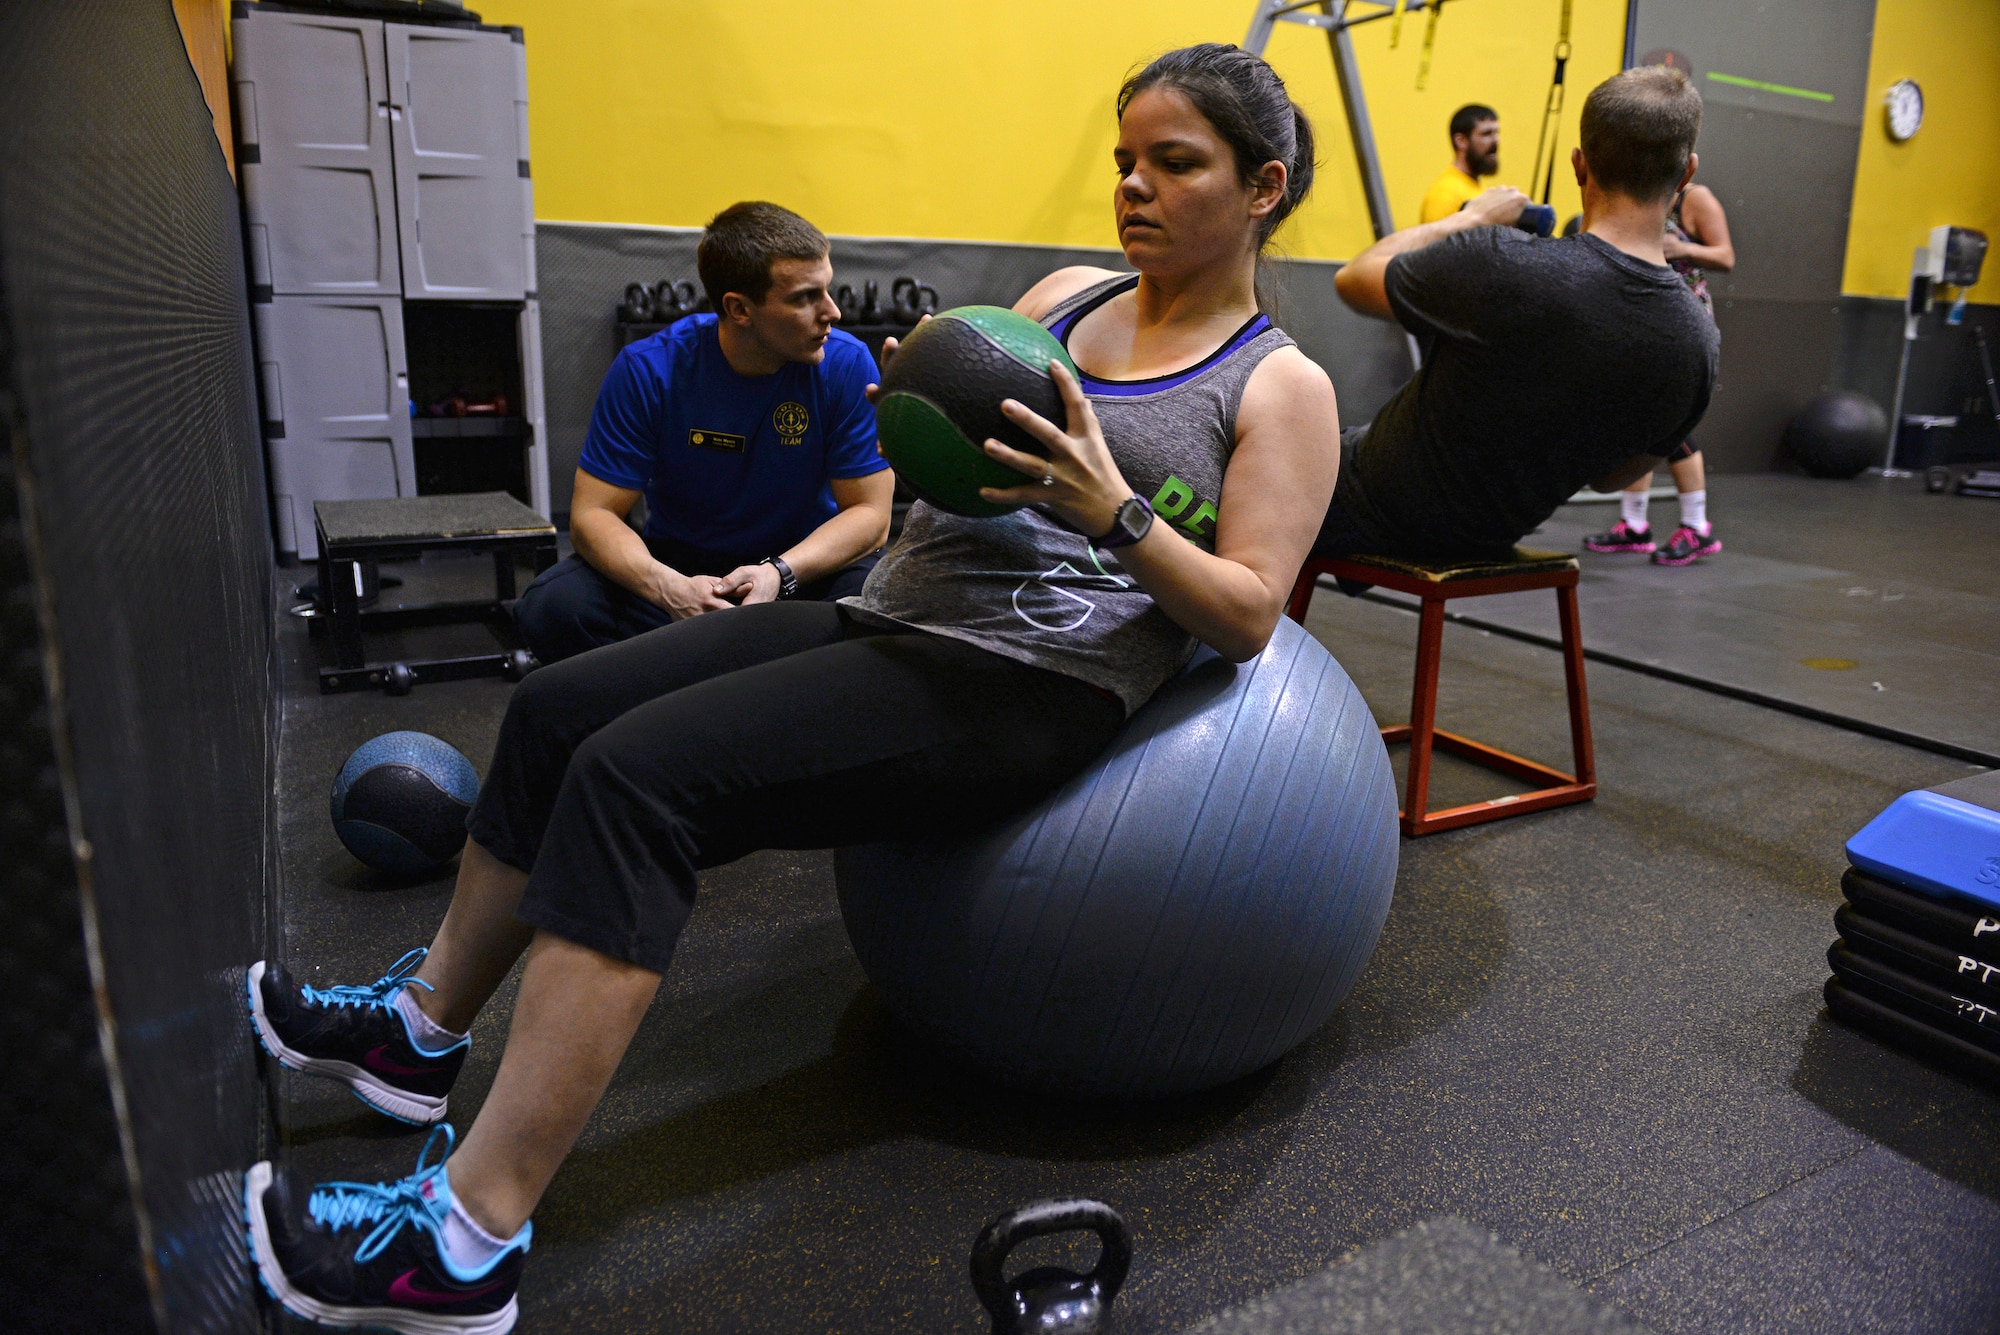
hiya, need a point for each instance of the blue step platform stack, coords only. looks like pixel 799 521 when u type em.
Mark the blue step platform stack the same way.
pixel 1918 959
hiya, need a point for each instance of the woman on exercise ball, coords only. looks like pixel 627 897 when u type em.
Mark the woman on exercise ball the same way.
pixel 975 662
pixel 1697 241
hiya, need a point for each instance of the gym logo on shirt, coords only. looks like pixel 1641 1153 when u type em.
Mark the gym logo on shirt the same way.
pixel 1178 505
pixel 791 421
pixel 1047 607
pixel 1043 603
pixel 717 440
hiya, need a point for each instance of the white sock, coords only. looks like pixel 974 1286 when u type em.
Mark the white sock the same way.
pixel 466 1244
pixel 1632 505
pixel 1694 510
pixel 429 1034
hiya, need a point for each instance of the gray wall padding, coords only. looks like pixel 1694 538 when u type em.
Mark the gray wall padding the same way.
pixel 584 269
pixel 1871 340
pixel 1783 167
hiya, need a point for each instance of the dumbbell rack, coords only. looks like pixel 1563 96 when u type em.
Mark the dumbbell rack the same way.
pixel 631 331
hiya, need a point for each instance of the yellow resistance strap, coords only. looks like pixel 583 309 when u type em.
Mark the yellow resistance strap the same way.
pixel 1430 43
pixel 1552 113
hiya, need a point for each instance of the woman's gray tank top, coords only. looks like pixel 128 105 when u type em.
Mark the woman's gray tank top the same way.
pixel 1025 586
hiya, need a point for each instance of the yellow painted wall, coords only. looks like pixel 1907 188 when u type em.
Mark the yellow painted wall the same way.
pixel 988 121
pixel 205 32
pixel 1948 173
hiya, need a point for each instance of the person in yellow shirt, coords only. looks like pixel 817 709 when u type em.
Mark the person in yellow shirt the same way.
pixel 1475 142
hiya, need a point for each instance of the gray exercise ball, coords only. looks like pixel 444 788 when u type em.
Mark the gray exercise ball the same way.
pixel 1837 434
pixel 1182 913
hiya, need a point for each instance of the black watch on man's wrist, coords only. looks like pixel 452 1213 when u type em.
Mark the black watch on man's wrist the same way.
pixel 1132 522
pixel 788 583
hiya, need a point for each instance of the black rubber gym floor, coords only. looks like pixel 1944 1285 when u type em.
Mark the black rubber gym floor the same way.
pixel 1587 1082
pixel 1870 599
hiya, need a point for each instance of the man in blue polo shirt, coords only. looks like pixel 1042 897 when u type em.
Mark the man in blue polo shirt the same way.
pixel 750 435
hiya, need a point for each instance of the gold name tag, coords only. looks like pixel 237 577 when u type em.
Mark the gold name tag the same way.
pixel 717 440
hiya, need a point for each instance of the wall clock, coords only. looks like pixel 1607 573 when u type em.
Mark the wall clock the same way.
pixel 1905 104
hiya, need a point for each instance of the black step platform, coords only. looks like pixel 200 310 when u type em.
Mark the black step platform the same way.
pixel 1952 922
pixel 1903 1031
pixel 1973 976
pixel 1964 1018
pixel 354 534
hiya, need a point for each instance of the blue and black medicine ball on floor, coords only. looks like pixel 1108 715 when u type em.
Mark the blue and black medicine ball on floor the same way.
pixel 400 802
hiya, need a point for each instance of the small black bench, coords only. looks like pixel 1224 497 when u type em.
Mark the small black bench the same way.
pixel 358 534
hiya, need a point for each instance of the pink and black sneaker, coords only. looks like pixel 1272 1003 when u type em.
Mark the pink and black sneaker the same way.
pixel 373 1254
pixel 356 1035
pixel 1622 538
pixel 1686 547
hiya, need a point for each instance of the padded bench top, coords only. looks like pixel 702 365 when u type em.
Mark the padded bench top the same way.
pixel 1526 561
pixel 484 514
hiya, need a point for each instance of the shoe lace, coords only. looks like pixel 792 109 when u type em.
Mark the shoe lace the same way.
pixel 377 993
pixel 387 1205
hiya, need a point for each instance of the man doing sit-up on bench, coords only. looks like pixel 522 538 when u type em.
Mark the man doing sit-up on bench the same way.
pixel 1547 363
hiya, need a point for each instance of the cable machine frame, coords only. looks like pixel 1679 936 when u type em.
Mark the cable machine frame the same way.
pixel 1335 18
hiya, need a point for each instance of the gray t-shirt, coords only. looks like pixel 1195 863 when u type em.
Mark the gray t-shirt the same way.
pixel 1547 362
pixel 1027 587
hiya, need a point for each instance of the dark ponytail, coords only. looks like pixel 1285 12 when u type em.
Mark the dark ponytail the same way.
pixel 1246 102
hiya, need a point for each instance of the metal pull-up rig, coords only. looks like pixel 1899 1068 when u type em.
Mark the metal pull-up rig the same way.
pixel 1335 17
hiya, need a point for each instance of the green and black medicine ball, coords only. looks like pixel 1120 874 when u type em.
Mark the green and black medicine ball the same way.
pixel 940 403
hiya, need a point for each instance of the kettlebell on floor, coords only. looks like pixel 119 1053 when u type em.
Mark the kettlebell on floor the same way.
pixel 1051 1300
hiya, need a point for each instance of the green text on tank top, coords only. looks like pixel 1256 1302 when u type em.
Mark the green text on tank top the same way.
pixel 1027 587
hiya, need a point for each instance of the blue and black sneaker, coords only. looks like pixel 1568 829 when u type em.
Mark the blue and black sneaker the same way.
pixel 373 1254
pixel 357 1036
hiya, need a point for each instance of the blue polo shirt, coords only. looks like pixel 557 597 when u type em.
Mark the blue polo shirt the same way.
pixel 732 464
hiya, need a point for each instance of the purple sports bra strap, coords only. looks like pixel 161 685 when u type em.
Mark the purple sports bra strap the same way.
pixel 1063 324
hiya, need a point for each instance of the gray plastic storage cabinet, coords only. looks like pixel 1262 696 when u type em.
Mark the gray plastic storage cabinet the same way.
pixel 385 163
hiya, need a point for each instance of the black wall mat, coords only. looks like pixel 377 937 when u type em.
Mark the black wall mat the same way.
pixel 72 1254
pixel 1947 378
pixel 140 495
pixel 584 269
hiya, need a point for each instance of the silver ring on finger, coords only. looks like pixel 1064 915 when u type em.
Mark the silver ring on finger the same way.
pixel 1049 478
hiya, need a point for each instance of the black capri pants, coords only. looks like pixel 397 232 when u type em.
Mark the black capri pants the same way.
pixel 622 772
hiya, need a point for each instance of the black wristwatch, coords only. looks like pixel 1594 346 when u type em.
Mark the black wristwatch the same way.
pixel 1132 522
pixel 788 583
